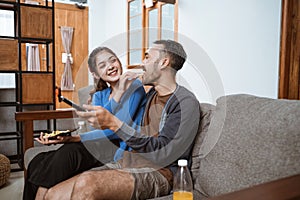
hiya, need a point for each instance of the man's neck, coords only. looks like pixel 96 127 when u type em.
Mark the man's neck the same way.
pixel 164 89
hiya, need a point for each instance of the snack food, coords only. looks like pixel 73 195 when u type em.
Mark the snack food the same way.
pixel 53 135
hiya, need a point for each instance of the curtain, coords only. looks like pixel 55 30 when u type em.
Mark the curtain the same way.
pixel 66 79
pixel 32 57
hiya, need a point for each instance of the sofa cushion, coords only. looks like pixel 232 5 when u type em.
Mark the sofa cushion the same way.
pixel 250 140
pixel 205 118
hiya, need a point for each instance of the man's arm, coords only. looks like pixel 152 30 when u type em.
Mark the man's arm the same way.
pixel 173 141
pixel 99 117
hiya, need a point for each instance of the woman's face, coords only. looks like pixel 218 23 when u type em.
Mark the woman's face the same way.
pixel 108 67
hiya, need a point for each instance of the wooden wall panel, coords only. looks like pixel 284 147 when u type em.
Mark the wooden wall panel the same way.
pixel 70 15
pixel 37 88
pixel 9 54
pixel 36 22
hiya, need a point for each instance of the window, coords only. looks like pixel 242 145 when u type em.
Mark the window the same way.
pixel 7 23
pixel 145 25
pixel 7 29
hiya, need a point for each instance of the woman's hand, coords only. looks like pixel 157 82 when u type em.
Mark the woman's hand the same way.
pixel 59 140
pixel 124 82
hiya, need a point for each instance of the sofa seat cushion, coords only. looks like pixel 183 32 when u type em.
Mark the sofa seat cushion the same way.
pixel 250 140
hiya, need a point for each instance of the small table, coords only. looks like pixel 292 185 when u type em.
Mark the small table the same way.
pixel 28 117
pixel 282 189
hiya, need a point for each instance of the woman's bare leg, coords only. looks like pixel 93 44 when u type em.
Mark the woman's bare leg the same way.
pixel 105 184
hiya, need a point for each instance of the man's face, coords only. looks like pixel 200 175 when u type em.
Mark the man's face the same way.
pixel 151 65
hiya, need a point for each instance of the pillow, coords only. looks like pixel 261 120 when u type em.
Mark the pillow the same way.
pixel 251 140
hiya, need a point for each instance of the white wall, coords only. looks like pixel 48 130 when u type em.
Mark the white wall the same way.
pixel 232 45
pixel 107 26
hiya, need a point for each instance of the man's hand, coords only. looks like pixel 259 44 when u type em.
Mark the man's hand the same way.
pixel 59 140
pixel 99 118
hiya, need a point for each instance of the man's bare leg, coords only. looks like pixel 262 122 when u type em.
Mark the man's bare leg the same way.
pixel 105 184
pixel 61 191
pixel 41 193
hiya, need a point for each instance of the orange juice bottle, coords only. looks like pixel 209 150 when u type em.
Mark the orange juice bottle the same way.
pixel 182 195
pixel 183 185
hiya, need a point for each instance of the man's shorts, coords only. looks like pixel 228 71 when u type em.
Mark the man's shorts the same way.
pixel 149 183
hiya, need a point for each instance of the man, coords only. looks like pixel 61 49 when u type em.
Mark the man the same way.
pixel 169 127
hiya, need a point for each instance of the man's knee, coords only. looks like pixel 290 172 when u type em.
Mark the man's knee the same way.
pixel 56 193
pixel 85 179
pixel 49 194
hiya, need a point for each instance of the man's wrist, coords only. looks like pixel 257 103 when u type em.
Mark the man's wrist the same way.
pixel 117 125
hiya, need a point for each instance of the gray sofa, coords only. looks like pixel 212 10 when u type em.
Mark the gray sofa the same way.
pixel 242 141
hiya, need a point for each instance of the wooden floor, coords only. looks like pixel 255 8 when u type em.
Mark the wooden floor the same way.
pixel 13 190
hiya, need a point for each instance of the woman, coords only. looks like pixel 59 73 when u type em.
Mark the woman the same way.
pixel 84 151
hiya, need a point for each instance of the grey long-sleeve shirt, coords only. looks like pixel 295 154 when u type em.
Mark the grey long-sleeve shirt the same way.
pixel 178 128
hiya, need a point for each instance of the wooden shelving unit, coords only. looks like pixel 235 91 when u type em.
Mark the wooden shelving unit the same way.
pixel 34 90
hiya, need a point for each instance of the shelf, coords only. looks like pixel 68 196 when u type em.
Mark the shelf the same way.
pixel 10 136
pixel 9 5
pixel 35 40
pixel 6 104
pixel 5 1
pixel 33 90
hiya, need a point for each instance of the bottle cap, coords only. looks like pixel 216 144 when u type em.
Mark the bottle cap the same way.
pixel 182 162
pixel 81 123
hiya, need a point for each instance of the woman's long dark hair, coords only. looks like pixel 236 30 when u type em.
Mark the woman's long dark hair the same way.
pixel 99 84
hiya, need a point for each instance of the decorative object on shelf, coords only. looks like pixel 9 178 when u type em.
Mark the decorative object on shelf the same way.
pixel 66 79
pixel 4 169
pixel 32 57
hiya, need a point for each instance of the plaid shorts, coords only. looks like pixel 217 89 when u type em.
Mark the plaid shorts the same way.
pixel 149 183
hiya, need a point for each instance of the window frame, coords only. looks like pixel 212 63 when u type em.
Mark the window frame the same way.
pixel 145 24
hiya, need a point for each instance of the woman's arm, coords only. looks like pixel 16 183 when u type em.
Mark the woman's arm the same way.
pixel 129 110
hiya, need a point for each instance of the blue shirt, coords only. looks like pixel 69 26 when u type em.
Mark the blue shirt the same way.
pixel 130 110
